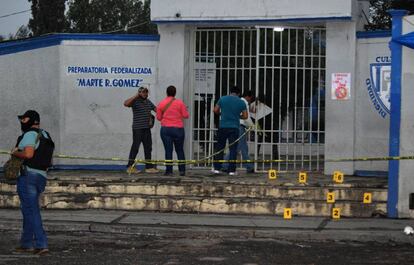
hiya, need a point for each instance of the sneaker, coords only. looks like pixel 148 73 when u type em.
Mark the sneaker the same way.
pixel 168 173
pixel 215 172
pixel 132 170
pixel 41 251
pixel 23 250
pixel 152 170
pixel 182 173
pixel 232 173
pixel 250 171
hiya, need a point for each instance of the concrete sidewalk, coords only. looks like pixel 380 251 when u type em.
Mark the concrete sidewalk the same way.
pixel 173 225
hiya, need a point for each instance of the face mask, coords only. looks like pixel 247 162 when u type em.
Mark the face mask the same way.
pixel 26 126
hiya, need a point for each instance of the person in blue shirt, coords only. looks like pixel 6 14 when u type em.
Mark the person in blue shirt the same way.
pixel 242 146
pixel 231 109
pixel 30 184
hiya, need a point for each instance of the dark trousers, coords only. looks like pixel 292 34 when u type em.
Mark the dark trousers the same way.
pixel 223 135
pixel 141 136
pixel 173 137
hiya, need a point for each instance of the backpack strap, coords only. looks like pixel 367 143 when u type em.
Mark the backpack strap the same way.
pixel 167 106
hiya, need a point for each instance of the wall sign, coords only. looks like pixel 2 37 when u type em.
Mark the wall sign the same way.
pixel 341 86
pixel 110 76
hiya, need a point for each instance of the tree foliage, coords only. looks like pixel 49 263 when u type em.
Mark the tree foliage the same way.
pixel 22 33
pixel 379 16
pixel 121 16
pixel 91 16
pixel 47 17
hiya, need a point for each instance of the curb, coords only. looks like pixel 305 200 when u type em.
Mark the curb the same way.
pixel 216 232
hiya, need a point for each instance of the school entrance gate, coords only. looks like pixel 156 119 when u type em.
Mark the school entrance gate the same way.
pixel 285 69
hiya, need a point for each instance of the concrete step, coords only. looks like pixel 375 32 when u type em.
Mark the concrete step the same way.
pixel 253 206
pixel 212 189
pixel 201 193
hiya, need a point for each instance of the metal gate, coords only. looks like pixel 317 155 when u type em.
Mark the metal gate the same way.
pixel 285 69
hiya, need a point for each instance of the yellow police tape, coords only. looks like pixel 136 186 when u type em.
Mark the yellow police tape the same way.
pixel 209 160
pixel 204 160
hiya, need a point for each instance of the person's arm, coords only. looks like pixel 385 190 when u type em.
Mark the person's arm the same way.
pixel 28 144
pixel 130 101
pixel 159 112
pixel 216 109
pixel 27 152
pixel 153 107
pixel 184 111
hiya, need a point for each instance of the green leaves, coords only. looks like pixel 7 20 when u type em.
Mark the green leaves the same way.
pixel 91 16
pixel 109 16
pixel 379 16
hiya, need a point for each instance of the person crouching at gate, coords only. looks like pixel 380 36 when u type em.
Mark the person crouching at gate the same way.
pixel 171 112
pixel 35 147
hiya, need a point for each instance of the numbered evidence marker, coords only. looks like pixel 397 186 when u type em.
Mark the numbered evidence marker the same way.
pixel 287 213
pixel 336 213
pixel 272 174
pixel 330 197
pixel 367 197
pixel 303 176
pixel 338 177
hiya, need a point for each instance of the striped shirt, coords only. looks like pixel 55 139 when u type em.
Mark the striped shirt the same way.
pixel 141 109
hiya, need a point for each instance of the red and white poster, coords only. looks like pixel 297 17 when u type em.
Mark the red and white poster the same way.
pixel 341 86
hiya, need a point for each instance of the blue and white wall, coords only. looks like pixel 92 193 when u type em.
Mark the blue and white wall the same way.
pixel 78 83
pixel 372 107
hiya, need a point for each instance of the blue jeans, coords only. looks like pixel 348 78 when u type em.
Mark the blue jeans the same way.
pixel 29 187
pixel 173 137
pixel 243 148
pixel 223 135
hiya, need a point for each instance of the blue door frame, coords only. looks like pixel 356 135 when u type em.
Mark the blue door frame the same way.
pixel 395 116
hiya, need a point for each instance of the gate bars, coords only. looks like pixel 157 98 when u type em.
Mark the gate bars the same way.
pixel 285 68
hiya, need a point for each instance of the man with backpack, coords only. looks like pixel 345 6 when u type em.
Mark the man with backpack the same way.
pixel 35 147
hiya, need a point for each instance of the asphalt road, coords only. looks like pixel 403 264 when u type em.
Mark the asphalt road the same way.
pixel 108 248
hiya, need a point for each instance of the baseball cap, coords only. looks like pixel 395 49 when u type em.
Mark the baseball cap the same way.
pixel 32 114
pixel 141 89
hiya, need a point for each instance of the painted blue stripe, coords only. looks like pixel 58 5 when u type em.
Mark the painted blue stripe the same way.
pixel 373 34
pixel 9 47
pixel 246 21
pixel 395 115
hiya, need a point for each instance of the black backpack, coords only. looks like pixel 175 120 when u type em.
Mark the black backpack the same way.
pixel 42 158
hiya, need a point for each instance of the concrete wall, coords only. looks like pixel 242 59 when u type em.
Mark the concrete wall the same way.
pixel 94 120
pixel 371 117
pixel 236 10
pixel 84 120
pixel 406 179
pixel 340 114
pixel 173 64
pixel 26 83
